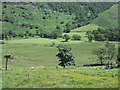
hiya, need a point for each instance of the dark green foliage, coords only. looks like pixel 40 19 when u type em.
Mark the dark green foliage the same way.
pixel 100 37
pixel 90 37
pixel 106 34
pixel 30 34
pixel 118 57
pixel 66 37
pixel 37 32
pixel 84 11
pixel 57 27
pixel 76 37
pixel 56 33
pixel 25 36
pixel 65 56
pixel 62 22
pixel 27 32
pixel 88 32
pixel 68 28
pixel 100 53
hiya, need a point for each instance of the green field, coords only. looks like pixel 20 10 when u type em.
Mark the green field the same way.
pixel 60 78
pixel 37 52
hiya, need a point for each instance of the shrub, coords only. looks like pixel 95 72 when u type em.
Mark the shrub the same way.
pixel 2 42
pixel 66 37
pixel 62 22
pixel 90 37
pixel 76 37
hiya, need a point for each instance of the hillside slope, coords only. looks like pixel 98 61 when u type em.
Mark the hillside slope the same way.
pixel 107 19
pixel 22 17
pixel 48 17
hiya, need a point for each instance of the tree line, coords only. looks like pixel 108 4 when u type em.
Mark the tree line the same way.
pixel 102 34
pixel 38 33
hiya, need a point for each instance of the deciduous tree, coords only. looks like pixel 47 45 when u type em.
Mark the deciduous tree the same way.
pixel 65 55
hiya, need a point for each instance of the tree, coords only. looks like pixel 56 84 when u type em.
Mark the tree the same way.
pixel 106 54
pixel 118 57
pixel 110 54
pixel 67 29
pixel 88 32
pixel 90 37
pixel 65 56
pixel 30 34
pixel 26 36
pixel 66 37
pixel 76 37
pixel 101 30
pixel 37 32
pixel 27 32
pixel 7 56
pixel 14 35
pixel 21 35
pixel 100 37
pixel 100 53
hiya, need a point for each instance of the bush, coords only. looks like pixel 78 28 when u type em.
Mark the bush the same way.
pixel 90 37
pixel 2 42
pixel 66 37
pixel 76 37
pixel 62 22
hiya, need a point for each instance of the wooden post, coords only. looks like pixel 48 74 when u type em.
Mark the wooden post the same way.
pixel 28 75
pixel 6 63
pixel 39 74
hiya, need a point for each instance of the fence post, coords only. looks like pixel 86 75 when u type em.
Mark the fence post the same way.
pixel 39 74
pixel 28 75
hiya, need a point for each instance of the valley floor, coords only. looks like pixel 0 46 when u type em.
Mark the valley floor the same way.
pixel 38 52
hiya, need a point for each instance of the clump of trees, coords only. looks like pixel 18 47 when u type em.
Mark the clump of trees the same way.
pixel 65 55
pixel 107 55
pixel 102 34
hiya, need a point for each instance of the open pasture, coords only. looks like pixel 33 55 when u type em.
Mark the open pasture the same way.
pixel 38 52
pixel 60 78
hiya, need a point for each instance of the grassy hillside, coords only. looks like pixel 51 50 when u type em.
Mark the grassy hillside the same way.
pixel 45 17
pixel 60 78
pixel 89 27
pixel 19 18
pixel 107 19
